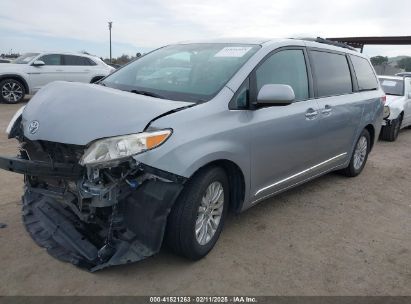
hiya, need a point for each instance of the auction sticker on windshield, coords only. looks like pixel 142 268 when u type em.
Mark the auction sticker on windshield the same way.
pixel 234 51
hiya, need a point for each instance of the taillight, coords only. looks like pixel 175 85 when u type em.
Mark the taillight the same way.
pixel 383 99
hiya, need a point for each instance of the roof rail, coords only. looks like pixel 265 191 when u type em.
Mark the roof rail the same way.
pixel 330 42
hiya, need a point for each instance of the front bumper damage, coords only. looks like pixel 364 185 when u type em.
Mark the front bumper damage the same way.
pixel 94 218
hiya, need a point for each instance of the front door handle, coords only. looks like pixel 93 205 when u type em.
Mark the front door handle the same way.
pixel 327 110
pixel 311 113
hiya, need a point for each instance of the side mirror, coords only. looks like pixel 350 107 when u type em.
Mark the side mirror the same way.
pixel 38 63
pixel 276 94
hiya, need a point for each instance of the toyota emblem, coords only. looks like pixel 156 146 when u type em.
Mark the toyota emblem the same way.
pixel 34 126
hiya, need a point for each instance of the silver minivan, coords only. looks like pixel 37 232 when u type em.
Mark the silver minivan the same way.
pixel 163 148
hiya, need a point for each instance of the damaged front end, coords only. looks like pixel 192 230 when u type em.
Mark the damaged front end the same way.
pixel 93 217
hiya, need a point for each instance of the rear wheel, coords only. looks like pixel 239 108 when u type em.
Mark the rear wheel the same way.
pixel 360 155
pixel 390 132
pixel 197 218
pixel 12 91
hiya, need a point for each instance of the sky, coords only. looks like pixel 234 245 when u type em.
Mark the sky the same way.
pixel 140 26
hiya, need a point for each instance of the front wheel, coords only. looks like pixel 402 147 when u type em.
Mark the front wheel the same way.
pixel 360 155
pixel 196 220
pixel 12 91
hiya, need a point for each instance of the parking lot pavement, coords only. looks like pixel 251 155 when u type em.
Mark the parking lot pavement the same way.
pixel 332 236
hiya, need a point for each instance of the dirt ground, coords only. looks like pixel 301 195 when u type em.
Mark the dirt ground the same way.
pixel 332 236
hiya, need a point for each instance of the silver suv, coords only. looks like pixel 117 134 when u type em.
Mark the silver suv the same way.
pixel 166 146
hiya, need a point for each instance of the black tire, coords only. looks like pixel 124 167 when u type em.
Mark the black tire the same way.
pixel 180 234
pixel 352 170
pixel 390 132
pixel 18 91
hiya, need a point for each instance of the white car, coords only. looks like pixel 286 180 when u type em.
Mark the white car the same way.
pixel 397 110
pixel 31 71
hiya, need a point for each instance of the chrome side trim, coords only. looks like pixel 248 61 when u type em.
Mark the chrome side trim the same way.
pixel 294 185
pixel 300 173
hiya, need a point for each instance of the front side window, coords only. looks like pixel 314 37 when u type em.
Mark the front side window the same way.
pixel 365 76
pixel 187 72
pixel 392 86
pixel 52 59
pixel 332 74
pixel 285 67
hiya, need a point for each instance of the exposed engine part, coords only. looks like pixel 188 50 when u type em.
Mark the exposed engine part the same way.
pixel 104 189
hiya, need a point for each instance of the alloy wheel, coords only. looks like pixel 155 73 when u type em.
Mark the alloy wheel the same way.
pixel 12 91
pixel 209 213
pixel 360 152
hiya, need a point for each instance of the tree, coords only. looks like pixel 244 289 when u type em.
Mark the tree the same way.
pixel 379 60
pixel 405 63
pixel 123 59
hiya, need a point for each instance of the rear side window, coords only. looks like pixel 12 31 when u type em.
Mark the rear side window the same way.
pixel 365 76
pixel 52 59
pixel 332 74
pixel 89 61
pixel 285 67
pixel 76 60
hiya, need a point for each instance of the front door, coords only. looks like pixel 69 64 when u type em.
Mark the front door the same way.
pixel 284 139
pixel 52 70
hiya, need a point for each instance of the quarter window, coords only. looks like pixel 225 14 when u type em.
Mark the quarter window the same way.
pixel 332 73
pixel 52 59
pixel 285 67
pixel 365 75
pixel 241 98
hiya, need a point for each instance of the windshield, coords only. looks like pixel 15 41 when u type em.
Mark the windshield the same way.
pixel 392 86
pixel 25 58
pixel 189 72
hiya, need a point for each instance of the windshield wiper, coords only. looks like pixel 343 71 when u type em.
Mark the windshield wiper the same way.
pixel 146 93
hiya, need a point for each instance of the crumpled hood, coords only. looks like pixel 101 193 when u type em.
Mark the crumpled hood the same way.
pixel 76 113
pixel 392 99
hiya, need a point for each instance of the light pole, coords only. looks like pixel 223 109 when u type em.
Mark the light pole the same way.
pixel 110 25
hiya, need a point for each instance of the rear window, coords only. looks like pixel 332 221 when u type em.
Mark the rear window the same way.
pixel 332 73
pixel 392 86
pixel 365 75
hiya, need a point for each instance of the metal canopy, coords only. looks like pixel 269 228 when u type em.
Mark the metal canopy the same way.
pixel 359 42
